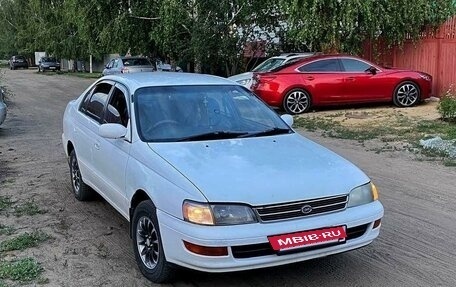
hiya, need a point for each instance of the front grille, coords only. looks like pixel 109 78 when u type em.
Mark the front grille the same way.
pixel 263 249
pixel 293 209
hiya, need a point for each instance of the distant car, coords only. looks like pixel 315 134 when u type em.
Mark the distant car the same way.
pixel 18 62
pixel 245 79
pixel 48 63
pixel 2 107
pixel 125 65
pixel 339 79
pixel 212 179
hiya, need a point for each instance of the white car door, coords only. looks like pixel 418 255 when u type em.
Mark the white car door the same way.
pixel 111 155
pixel 88 120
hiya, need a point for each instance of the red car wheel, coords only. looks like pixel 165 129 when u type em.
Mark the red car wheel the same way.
pixel 406 94
pixel 297 101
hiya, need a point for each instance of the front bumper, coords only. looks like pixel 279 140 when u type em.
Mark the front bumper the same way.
pixel 174 231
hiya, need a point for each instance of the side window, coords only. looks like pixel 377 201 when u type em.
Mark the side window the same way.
pixel 110 64
pixel 352 65
pixel 117 111
pixel 329 65
pixel 97 102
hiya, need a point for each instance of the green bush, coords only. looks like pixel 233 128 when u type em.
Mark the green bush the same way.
pixel 447 106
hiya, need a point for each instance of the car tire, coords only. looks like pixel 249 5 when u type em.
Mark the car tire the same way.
pixel 146 238
pixel 297 101
pixel 406 94
pixel 81 191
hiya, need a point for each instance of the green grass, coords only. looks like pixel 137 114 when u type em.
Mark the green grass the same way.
pixel 5 202
pixel 22 270
pixel 397 128
pixel 29 208
pixel 23 241
pixel 6 230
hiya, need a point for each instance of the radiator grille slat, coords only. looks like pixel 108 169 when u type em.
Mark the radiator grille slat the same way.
pixel 293 209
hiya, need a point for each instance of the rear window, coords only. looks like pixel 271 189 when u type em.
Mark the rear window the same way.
pixel 136 62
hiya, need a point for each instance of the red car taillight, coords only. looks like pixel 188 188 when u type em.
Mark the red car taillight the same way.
pixel 124 70
pixel 261 79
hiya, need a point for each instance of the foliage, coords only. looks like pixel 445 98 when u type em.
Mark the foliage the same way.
pixel 23 241
pixel 22 270
pixel 210 35
pixel 342 26
pixel 447 107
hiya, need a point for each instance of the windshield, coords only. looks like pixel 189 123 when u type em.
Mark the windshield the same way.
pixel 191 113
pixel 49 60
pixel 136 62
pixel 268 65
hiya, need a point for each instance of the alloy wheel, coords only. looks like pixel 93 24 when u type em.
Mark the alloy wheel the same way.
pixel 407 95
pixel 75 175
pixel 297 102
pixel 147 242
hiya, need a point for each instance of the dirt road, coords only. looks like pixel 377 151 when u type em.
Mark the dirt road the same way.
pixel 90 246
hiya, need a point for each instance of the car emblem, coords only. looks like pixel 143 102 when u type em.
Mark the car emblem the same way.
pixel 306 209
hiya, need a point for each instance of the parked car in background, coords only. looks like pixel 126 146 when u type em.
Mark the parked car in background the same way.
pixel 210 178
pixel 245 79
pixel 2 107
pixel 339 79
pixel 48 63
pixel 18 62
pixel 124 65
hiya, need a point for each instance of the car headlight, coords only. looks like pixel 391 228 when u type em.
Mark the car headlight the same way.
pixel 243 82
pixel 217 214
pixel 425 77
pixel 362 195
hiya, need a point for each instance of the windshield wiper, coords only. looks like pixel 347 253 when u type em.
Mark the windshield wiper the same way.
pixel 269 132
pixel 216 135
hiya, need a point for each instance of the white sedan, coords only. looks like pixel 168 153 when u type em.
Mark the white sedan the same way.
pixel 210 178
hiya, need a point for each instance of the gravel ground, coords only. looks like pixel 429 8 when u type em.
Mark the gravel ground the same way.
pixel 90 246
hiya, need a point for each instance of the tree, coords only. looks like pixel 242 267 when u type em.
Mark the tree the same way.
pixel 342 25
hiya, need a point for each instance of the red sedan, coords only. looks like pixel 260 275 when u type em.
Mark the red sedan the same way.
pixel 337 79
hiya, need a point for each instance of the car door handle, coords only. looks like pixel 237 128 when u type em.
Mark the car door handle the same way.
pixel 350 79
pixel 310 78
pixel 97 145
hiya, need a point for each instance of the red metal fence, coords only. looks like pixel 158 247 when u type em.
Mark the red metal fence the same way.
pixel 434 53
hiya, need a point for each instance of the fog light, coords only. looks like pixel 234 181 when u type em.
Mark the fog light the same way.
pixel 207 251
pixel 376 223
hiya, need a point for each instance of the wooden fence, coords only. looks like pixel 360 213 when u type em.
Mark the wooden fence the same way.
pixel 434 53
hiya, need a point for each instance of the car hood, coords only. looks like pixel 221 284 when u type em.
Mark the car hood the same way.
pixel 243 76
pixel 263 170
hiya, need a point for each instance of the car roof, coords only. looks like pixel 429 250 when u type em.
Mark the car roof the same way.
pixel 303 61
pixel 293 55
pixel 135 81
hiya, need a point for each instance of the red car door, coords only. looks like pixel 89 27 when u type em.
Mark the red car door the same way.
pixel 324 80
pixel 363 82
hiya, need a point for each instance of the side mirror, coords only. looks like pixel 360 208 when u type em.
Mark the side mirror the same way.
pixel 372 70
pixel 288 119
pixel 112 131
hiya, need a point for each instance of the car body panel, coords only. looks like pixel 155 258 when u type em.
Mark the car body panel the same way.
pixel 120 65
pixel 3 110
pixel 245 79
pixel 241 177
pixel 18 62
pixel 49 63
pixel 254 171
pixel 331 88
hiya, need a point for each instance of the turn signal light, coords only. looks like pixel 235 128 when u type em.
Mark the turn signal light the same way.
pixel 374 192
pixel 204 250
pixel 377 223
